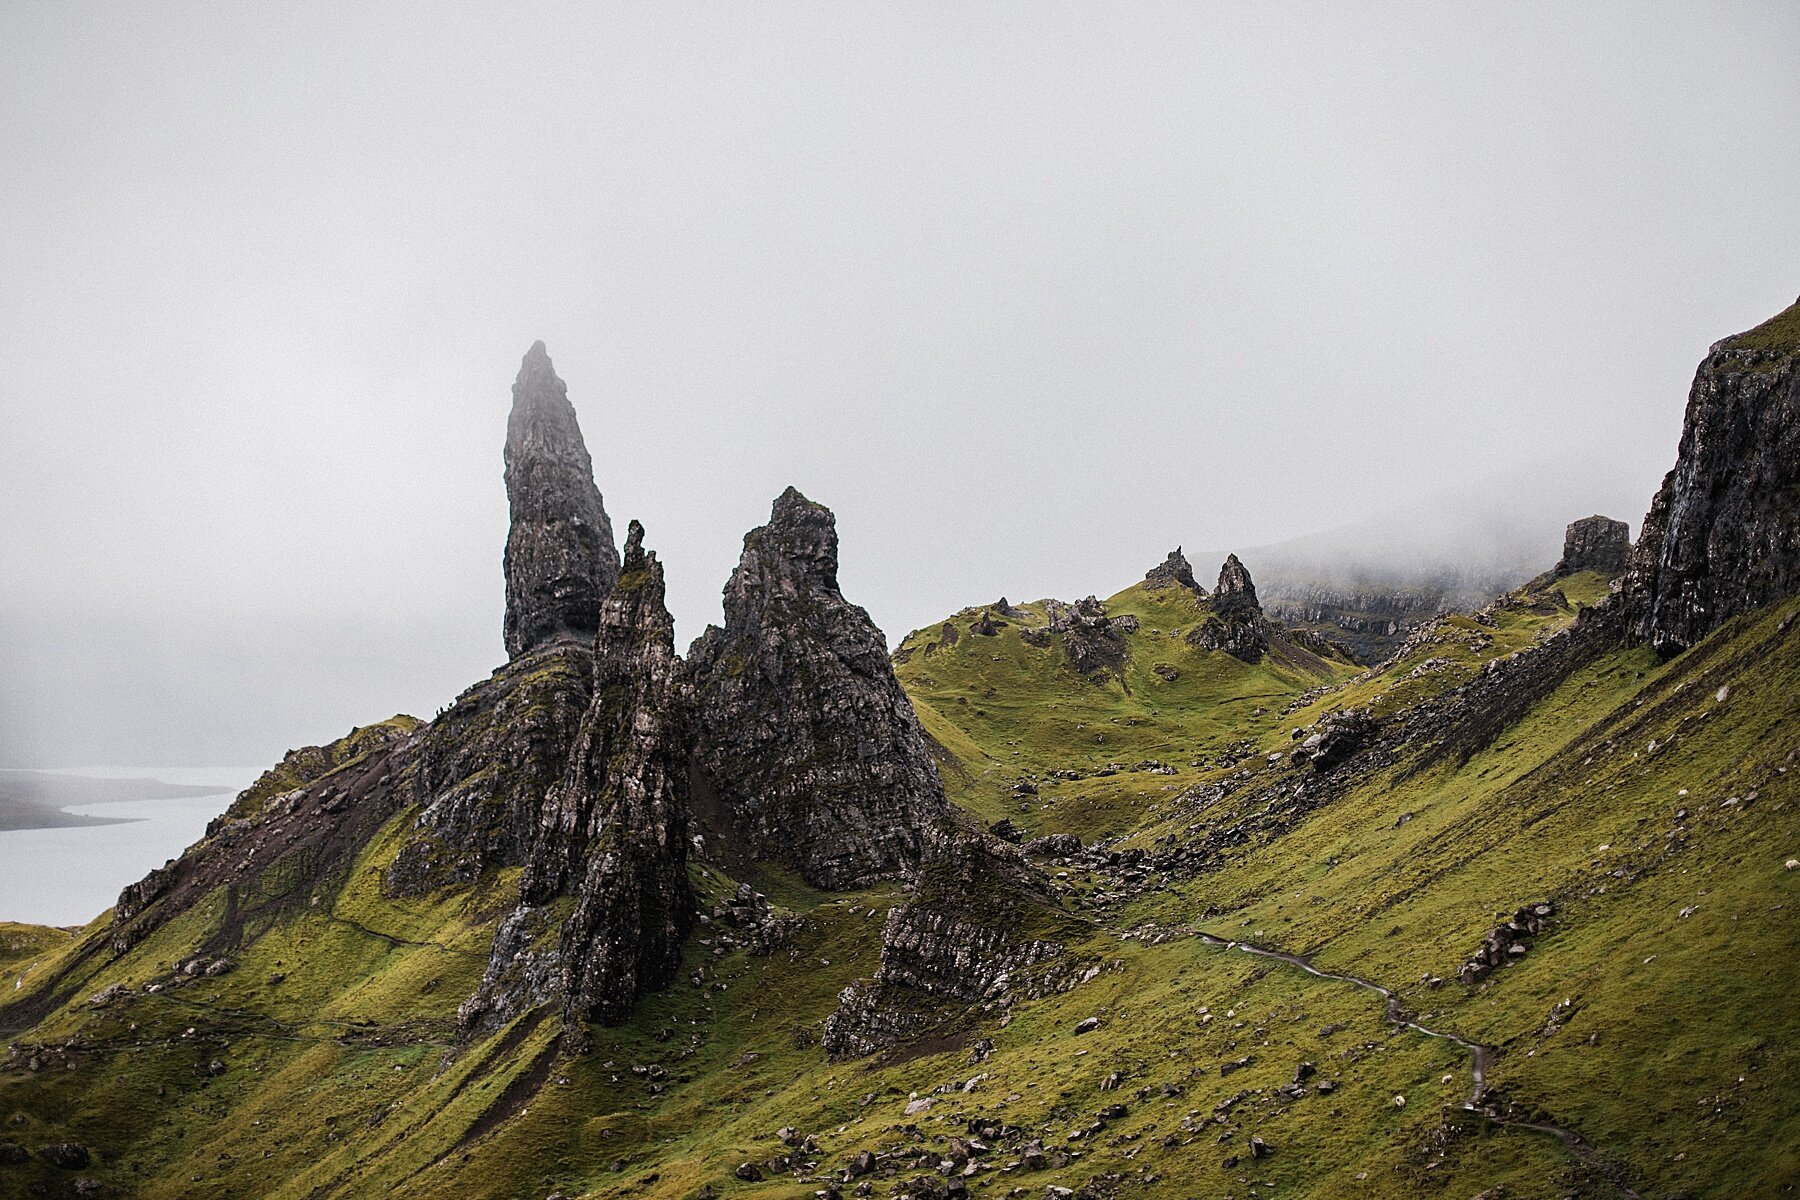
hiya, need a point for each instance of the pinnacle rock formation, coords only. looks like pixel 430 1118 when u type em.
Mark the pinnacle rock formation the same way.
pixel 560 557
pixel 1236 625
pixel 1595 544
pixel 1723 534
pixel 1173 571
pixel 613 834
pixel 806 748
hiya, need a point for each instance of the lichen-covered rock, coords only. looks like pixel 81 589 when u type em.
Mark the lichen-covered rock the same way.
pixel 1723 534
pixel 560 557
pixel 1595 543
pixel 806 749
pixel 978 924
pixel 1173 571
pixel 1236 624
pixel 612 835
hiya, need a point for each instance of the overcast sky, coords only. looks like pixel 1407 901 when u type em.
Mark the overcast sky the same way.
pixel 1027 293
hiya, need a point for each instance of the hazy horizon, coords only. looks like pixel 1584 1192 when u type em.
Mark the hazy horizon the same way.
pixel 1027 295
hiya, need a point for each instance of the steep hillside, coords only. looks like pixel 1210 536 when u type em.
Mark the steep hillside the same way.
pixel 1509 914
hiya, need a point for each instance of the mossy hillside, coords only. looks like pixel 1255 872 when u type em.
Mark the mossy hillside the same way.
pixel 312 764
pixel 1002 709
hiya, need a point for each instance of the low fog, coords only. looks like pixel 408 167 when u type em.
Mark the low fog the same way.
pixel 1027 294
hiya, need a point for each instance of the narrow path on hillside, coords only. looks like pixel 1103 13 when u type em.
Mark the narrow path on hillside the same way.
pixel 1395 1012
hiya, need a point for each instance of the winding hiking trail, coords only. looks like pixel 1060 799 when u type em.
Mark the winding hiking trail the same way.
pixel 1395 1012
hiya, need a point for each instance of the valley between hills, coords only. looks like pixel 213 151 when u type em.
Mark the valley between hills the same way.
pixel 1143 895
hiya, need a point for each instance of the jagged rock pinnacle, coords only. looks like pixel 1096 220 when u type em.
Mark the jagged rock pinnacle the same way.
pixel 613 835
pixel 1173 571
pixel 806 747
pixel 1236 594
pixel 560 559
pixel 1236 625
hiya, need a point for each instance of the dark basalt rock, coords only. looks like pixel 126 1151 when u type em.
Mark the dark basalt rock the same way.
pixel 1173 571
pixel 1595 543
pixel 613 834
pixel 806 748
pixel 1236 625
pixel 978 923
pixel 1723 534
pixel 485 765
pixel 560 557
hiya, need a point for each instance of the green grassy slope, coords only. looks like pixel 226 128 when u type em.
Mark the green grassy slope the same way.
pixel 1675 1058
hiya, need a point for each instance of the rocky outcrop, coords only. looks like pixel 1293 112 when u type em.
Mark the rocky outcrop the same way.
pixel 1595 543
pixel 1173 571
pixel 806 748
pixel 1094 642
pixel 1236 624
pixel 485 765
pixel 560 556
pixel 1723 534
pixel 978 923
pixel 612 835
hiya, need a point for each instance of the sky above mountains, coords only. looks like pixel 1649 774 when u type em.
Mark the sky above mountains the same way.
pixel 1028 294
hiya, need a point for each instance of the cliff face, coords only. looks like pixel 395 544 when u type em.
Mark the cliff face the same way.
pixel 1721 536
pixel 806 747
pixel 612 834
pixel 560 558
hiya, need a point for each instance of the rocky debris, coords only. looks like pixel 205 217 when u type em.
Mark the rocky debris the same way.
pixel 70 1156
pixel 1507 941
pixel 613 834
pixel 1236 624
pixel 1723 534
pixel 977 926
pixel 749 921
pixel 1595 543
pixel 1173 571
pixel 560 557
pixel 1166 673
pixel 806 748
pixel 986 626
pixel 1336 738
pixel 1053 845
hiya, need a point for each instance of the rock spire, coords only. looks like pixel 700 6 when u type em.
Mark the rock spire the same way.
pixel 806 748
pixel 1174 571
pixel 560 557
pixel 613 834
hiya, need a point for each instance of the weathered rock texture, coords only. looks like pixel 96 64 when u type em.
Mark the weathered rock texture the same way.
pixel 978 922
pixel 1595 544
pixel 1722 536
pixel 1093 641
pixel 806 749
pixel 1236 625
pixel 1173 571
pixel 560 556
pixel 485 765
pixel 612 835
